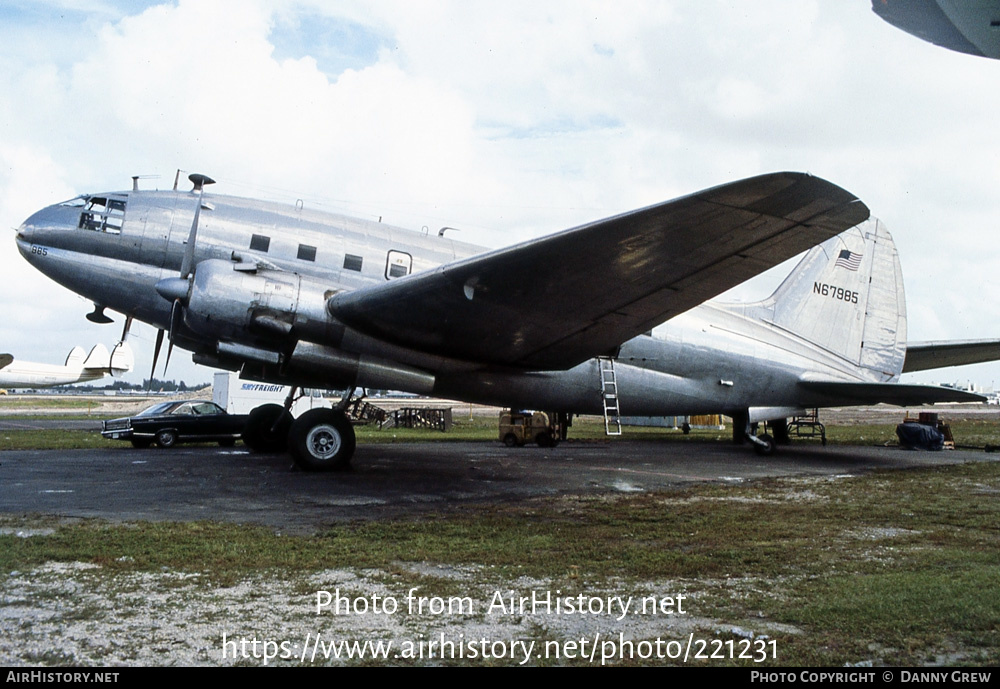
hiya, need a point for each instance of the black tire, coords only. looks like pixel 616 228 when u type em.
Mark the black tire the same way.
pixel 767 449
pixel 141 443
pixel 267 429
pixel 544 439
pixel 510 440
pixel 166 438
pixel 322 440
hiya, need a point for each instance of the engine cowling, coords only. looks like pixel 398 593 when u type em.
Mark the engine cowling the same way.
pixel 226 302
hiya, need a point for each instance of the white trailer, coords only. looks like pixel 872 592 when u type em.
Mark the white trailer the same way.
pixel 239 396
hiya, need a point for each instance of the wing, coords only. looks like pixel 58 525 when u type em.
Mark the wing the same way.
pixel 900 394
pixel 966 27
pixel 922 356
pixel 553 302
pixel 5 360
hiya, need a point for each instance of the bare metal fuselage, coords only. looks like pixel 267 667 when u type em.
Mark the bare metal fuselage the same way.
pixel 289 260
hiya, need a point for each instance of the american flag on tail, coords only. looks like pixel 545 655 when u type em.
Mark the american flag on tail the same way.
pixel 849 259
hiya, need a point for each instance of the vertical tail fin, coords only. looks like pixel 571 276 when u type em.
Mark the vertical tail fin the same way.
pixel 75 358
pixel 846 296
pixel 98 358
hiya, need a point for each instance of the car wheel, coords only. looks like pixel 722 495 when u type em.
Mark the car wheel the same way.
pixel 166 438
pixel 510 440
pixel 322 440
pixel 267 429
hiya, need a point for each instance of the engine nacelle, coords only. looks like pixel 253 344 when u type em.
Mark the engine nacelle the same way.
pixel 225 302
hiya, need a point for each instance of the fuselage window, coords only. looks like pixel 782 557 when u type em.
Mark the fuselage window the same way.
pixel 260 242
pixel 397 264
pixel 307 253
pixel 352 262
pixel 103 215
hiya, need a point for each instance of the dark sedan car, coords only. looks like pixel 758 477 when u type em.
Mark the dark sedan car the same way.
pixel 169 423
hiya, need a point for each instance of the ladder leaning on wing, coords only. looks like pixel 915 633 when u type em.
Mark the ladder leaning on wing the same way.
pixel 609 393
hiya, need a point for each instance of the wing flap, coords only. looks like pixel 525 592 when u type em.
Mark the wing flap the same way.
pixel 923 356
pixel 553 302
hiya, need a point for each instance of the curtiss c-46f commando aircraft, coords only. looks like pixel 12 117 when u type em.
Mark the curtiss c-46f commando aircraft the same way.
pixel 607 318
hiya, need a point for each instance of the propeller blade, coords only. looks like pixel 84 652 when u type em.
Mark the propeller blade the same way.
pixel 156 355
pixel 126 328
pixel 170 349
pixel 187 263
pixel 189 247
pixel 176 314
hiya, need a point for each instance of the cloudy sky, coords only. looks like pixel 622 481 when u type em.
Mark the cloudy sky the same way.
pixel 508 120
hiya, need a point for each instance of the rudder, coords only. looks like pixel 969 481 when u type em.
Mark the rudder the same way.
pixel 847 297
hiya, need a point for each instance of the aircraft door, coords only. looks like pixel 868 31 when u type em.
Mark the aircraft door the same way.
pixel 397 264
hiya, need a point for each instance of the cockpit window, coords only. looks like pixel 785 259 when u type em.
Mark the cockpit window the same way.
pixel 103 214
pixel 77 202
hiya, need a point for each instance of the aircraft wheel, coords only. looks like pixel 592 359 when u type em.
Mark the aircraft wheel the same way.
pixel 267 429
pixel 166 438
pixel 767 449
pixel 510 440
pixel 141 443
pixel 322 440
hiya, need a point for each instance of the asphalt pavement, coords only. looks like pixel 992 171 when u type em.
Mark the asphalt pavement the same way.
pixel 396 480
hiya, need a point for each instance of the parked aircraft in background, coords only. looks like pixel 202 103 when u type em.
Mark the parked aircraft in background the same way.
pixel 607 318
pixel 80 367
pixel 966 26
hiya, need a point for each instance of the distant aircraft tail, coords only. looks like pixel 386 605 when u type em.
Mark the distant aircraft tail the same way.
pixel 118 362
pixel 75 358
pixel 97 360
pixel 122 359
pixel 846 296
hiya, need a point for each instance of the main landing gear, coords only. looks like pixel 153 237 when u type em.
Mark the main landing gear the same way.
pixel 319 440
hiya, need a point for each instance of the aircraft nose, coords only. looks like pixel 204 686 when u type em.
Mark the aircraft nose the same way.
pixel 23 238
pixel 44 227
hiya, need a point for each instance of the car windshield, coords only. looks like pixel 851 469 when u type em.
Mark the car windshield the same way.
pixel 160 408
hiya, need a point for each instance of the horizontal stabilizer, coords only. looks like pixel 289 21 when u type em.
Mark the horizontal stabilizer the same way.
pixel 922 356
pixel 902 395
pixel 5 360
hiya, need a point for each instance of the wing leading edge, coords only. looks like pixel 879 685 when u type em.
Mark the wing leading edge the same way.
pixel 923 356
pixel 553 302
